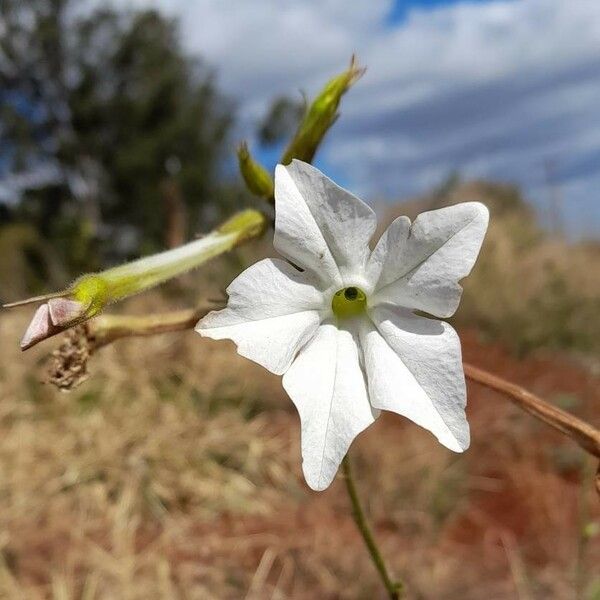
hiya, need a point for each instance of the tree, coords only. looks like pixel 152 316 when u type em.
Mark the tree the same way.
pixel 121 120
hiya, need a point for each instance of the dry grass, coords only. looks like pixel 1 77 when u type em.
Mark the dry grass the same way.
pixel 174 472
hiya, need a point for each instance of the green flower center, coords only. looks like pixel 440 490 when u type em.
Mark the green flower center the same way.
pixel 349 302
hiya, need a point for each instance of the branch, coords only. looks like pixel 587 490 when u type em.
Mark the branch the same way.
pixel 582 433
pixel 106 329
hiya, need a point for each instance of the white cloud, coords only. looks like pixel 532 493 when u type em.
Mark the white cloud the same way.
pixel 494 88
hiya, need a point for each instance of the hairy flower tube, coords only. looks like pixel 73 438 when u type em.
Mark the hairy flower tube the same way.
pixel 88 296
pixel 342 328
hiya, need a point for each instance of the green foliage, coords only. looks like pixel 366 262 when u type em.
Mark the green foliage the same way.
pixel 111 100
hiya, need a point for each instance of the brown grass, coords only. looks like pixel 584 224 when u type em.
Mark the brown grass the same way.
pixel 174 472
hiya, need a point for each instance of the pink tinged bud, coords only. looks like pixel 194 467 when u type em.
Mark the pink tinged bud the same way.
pixel 65 312
pixel 52 318
pixel 39 329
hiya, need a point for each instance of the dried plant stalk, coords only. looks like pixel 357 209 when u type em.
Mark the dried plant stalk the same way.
pixel 582 433
pixel 107 328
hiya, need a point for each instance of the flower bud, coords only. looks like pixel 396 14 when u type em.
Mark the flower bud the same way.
pixel 321 115
pixel 257 178
pixel 51 318
pixel 89 295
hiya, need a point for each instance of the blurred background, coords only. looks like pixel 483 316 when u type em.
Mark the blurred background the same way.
pixel 174 471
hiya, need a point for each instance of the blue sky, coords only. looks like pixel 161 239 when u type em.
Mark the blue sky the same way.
pixel 400 8
pixel 492 89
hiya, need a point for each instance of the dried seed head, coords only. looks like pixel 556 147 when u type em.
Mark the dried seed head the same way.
pixel 69 363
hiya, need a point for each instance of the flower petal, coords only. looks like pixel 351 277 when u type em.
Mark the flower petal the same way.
pixel 319 226
pixel 386 259
pixel 414 368
pixel 273 310
pixel 420 268
pixel 327 385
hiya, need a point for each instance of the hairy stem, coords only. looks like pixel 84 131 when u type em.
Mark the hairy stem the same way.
pixel 394 588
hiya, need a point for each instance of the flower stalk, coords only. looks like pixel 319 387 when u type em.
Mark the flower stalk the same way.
pixel 582 433
pixel 107 329
pixel 394 587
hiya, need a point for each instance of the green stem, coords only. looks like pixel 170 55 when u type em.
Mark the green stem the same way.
pixel 394 588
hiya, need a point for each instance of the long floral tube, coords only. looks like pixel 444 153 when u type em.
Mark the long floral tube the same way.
pixel 91 293
pixel 142 274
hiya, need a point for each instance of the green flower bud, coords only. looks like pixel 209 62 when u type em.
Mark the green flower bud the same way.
pixel 321 115
pixel 257 178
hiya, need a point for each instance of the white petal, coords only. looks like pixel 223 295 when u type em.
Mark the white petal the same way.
pixel 273 310
pixel 319 226
pixel 414 368
pixel 421 268
pixel 327 385
pixel 386 260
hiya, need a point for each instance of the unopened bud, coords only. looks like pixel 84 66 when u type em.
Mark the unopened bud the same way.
pixel 321 115
pixel 51 318
pixel 91 293
pixel 257 178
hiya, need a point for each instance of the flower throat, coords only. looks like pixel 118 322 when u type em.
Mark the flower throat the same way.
pixel 349 302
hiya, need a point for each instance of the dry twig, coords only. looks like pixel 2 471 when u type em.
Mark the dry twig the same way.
pixel 582 433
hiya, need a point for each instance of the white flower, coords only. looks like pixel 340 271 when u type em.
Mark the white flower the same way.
pixel 343 331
